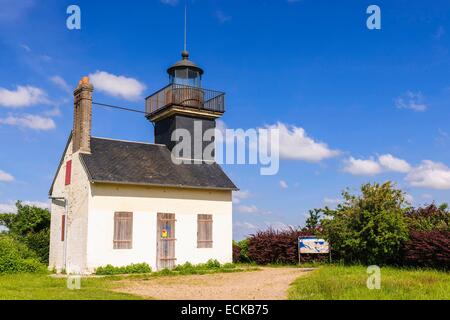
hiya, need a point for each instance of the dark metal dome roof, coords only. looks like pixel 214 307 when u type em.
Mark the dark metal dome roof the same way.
pixel 184 63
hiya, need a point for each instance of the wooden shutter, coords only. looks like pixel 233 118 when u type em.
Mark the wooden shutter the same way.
pixel 63 227
pixel 68 172
pixel 204 231
pixel 123 230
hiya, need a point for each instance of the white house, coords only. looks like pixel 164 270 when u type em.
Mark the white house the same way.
pixel 121 202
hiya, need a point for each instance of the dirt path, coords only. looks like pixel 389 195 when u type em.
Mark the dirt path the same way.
pixel 264 284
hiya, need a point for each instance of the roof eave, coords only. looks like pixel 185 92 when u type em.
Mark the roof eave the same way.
pixel 165 185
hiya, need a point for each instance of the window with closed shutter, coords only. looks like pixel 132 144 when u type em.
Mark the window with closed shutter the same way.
pixel 204 231
pixel 68 172
pixel 123 230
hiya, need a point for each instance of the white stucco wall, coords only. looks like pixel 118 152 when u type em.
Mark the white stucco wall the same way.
pixel 145 203
pixel 90 221
pixel 57 210
pixel 77 195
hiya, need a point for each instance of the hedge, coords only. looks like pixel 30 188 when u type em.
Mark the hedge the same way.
pixel 16 257
pixel 278 247
pixel 428 249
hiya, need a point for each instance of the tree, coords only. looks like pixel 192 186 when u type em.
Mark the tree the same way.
pixel 429 218
pixel 314 219
pixel 31 226
pixel 370 227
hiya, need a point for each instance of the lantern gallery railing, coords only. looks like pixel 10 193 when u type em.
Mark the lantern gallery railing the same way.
pixel 185 96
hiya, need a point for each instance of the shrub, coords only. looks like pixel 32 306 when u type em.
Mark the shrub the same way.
pixel 429 218
pixel 132 268
pixel 368 228
pixel 31 226
pixel 229 266
pixel 213 264
pixel 275 246
pixel 243 251
pixel 236 252
pixel 428 249
pixel 15 257
pixel 40 243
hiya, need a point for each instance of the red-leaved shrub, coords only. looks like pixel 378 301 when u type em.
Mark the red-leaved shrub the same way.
pixel 428 249
pixel 236 253
pixel 277 246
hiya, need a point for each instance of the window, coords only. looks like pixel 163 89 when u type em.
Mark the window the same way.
pixel 123 230
pixel 68 172
pixel 204 231
pixel 63 227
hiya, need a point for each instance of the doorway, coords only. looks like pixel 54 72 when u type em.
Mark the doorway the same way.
pixel 165 244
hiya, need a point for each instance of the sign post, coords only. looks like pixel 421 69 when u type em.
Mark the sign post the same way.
pixel 312 245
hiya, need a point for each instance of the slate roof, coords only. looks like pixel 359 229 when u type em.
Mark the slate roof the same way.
pixel 125 162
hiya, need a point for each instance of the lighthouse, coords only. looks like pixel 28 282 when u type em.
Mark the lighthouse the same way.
pixel 185 105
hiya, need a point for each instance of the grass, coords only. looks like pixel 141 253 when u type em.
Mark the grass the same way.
pixel 189 269
pixel 45 287
pixel 335 282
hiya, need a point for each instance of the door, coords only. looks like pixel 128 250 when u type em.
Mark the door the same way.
pixel 165 244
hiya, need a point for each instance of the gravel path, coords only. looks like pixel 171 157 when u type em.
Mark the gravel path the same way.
pixel 264 284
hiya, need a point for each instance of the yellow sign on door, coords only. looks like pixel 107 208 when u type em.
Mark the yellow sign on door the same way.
pixel 164 233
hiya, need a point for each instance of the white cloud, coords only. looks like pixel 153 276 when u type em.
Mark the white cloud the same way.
pixel 5 177
pixel 25 47
pixel 331 201
pixel 361 167
pixel 295 144
pixel 411 100
pixel 426 196
pixel 117 86
pixel 238 196
pixel 222 17
pixel 245 225
pixel 409 198
pixel 429 174
pixel 247 209
pixel 61 83
pixel 440 32
pixel 39 204
pixel 10 207
pixel 443 138
pixel 7 208
pixel 283 184
pixel 55 112
pixel 391 163
pixel 251 209
pixel 23 96
pixel 170 2
pixel 29 121
pixel 277 225
pixel 370 167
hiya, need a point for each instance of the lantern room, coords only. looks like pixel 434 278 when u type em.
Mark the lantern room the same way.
pixel 185 72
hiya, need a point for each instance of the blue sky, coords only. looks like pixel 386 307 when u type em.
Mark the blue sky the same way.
pixel 357 105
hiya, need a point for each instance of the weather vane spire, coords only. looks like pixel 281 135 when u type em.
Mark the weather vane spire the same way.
pixel 185 25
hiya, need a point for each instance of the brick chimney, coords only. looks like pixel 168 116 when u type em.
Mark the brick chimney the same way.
pixel 82 116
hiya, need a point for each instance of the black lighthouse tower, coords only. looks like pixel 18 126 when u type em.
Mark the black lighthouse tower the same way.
pixel 184 104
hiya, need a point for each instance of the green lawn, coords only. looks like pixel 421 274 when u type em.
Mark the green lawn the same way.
pixel 349 283
pixel 44 287
pixel 327 282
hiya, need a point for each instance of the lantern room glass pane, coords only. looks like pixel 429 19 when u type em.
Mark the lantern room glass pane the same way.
pixel 187 77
